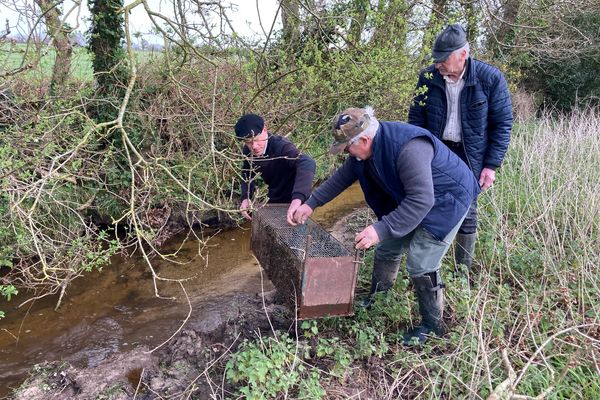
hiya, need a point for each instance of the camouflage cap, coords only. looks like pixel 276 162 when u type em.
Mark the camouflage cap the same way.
pixel 346 126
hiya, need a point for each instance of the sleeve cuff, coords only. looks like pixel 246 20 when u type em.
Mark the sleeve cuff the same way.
pixel 382 230
pixel 312 202
pixel 299 196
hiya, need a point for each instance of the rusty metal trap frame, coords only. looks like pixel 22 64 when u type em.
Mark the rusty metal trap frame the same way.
pixel 311 269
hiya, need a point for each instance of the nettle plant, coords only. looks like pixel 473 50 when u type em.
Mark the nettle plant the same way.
pixel 274 365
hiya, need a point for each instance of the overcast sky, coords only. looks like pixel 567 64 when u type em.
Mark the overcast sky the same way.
pixel 245 19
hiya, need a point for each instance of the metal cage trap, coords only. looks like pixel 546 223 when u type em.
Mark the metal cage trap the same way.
pixel 312 271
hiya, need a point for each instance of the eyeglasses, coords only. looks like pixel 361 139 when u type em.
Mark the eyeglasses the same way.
pixel 254 139
pixel 351 142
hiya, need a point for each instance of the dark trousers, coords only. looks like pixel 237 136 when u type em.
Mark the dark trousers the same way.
pixel 469 224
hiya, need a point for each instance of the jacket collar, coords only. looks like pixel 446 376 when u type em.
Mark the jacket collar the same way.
pixel 376 146
pixel 470 75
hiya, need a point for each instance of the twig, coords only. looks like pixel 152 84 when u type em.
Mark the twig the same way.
pixel 139 383
pixel 209 366
pixel 182 324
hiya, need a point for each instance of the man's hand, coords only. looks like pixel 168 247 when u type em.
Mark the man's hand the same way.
pixel 486 178
pixel 244 209
pixel 367 238
pixel 292 209
pixel 300 215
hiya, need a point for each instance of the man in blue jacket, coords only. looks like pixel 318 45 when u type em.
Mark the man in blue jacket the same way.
pixel 465 103
pixel 287 172
pixel 420 192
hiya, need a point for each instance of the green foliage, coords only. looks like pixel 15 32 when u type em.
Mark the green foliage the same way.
pixel 325 73
pixel 7 291
pixel 310 387
pixel 114 391
pixel 310 328
pixel 567 82
pixel 50 174
pixel 267 368
pixel 577 383
pixel 93 254
pixel 106 38
pixel 335 352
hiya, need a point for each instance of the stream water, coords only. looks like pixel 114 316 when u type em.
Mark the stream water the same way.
pixel 115 309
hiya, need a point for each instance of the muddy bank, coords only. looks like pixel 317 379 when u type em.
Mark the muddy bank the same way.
pixel 192 361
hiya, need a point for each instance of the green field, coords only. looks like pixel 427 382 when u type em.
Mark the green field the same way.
pixel 38 62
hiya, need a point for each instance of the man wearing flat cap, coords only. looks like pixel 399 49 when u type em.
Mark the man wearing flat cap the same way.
pixel 465 103
pixel 287 172
pixel 420 192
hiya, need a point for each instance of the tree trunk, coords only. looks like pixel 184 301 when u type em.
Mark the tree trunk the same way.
pixel 107 36
pixel 290 17
pixel 109 61
pixel 360 10
pixel 505 35
pixel 435 24
pixel 471 28
pixel 60 40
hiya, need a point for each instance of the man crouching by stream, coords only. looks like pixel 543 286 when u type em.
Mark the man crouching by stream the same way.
pixel 420 192
pixel 287 172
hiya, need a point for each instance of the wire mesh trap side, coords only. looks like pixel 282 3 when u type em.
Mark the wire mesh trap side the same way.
pixel 311 269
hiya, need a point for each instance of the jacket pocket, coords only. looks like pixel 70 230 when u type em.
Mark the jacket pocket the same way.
pixel 444 215
pixel 478 105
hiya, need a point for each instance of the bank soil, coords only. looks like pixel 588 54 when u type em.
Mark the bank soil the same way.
pixel 192 363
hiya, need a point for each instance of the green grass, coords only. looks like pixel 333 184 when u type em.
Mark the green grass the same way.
pixel 42 60
pixel 14 56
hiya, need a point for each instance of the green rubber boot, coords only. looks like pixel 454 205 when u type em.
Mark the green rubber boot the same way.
pixel 382 280
pixel 430 294
pixel 464 249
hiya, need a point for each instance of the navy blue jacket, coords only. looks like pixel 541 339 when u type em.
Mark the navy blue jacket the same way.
pixel 485 108
pixel 454 185
pixel 287 172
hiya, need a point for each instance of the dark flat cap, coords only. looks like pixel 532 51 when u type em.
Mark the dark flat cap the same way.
pixel 452 38
pixel 249 125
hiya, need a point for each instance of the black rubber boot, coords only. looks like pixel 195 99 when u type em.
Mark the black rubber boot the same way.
pixel 430 294
pixel 383 278
pixel 464 249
